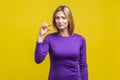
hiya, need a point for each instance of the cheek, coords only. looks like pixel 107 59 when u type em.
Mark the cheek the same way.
pixel 56 20
pixel 66 22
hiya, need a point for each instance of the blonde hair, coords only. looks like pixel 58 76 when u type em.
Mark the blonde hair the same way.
pixel 66 10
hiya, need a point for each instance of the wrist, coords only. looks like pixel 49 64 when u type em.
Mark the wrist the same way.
pixel 39 39
pixel 40 35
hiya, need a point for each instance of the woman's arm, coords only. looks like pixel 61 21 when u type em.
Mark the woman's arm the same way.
pixel 83 62
pixel 41 49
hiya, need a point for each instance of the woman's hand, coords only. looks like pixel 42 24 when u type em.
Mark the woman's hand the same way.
pixel 44 29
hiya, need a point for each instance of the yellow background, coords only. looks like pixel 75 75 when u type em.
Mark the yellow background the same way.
pixel 97 20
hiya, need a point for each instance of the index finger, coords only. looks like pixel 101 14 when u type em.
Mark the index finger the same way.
pixel 45 25
pixel 49 24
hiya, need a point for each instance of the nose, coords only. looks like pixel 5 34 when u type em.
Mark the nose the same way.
pixel 60 20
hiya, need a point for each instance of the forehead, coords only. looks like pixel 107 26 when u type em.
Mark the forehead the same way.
pixel 60 13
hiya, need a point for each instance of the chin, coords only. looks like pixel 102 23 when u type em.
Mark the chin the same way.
pixel 61 28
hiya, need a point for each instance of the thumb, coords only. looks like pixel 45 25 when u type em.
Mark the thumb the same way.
pixel 49 29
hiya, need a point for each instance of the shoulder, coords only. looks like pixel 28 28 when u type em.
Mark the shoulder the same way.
pixel 51 35
pixel 79 36
pixel 81 39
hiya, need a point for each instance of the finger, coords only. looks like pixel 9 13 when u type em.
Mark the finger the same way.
pixel 47 25
pixel 49 29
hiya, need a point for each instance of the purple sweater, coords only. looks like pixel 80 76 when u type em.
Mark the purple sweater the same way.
pixel 67 56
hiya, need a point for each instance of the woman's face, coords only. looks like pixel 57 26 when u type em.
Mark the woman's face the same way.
pixel 61 20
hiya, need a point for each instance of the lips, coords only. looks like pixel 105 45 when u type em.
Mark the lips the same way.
pixel 61 24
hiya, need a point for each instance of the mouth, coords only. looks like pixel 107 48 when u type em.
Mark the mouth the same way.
pixel 60 25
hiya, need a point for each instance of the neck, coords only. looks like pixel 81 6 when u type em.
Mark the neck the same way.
pixel 64 33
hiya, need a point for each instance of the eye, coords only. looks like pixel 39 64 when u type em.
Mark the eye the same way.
pixel 57 17
pixel 63 17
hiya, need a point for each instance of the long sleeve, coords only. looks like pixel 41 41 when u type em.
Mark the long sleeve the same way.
pixel 41 50
pixel 83 62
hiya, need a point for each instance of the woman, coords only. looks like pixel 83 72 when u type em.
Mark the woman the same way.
pixel 67 50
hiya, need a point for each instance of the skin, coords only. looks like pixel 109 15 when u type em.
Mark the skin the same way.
pixel 61 23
